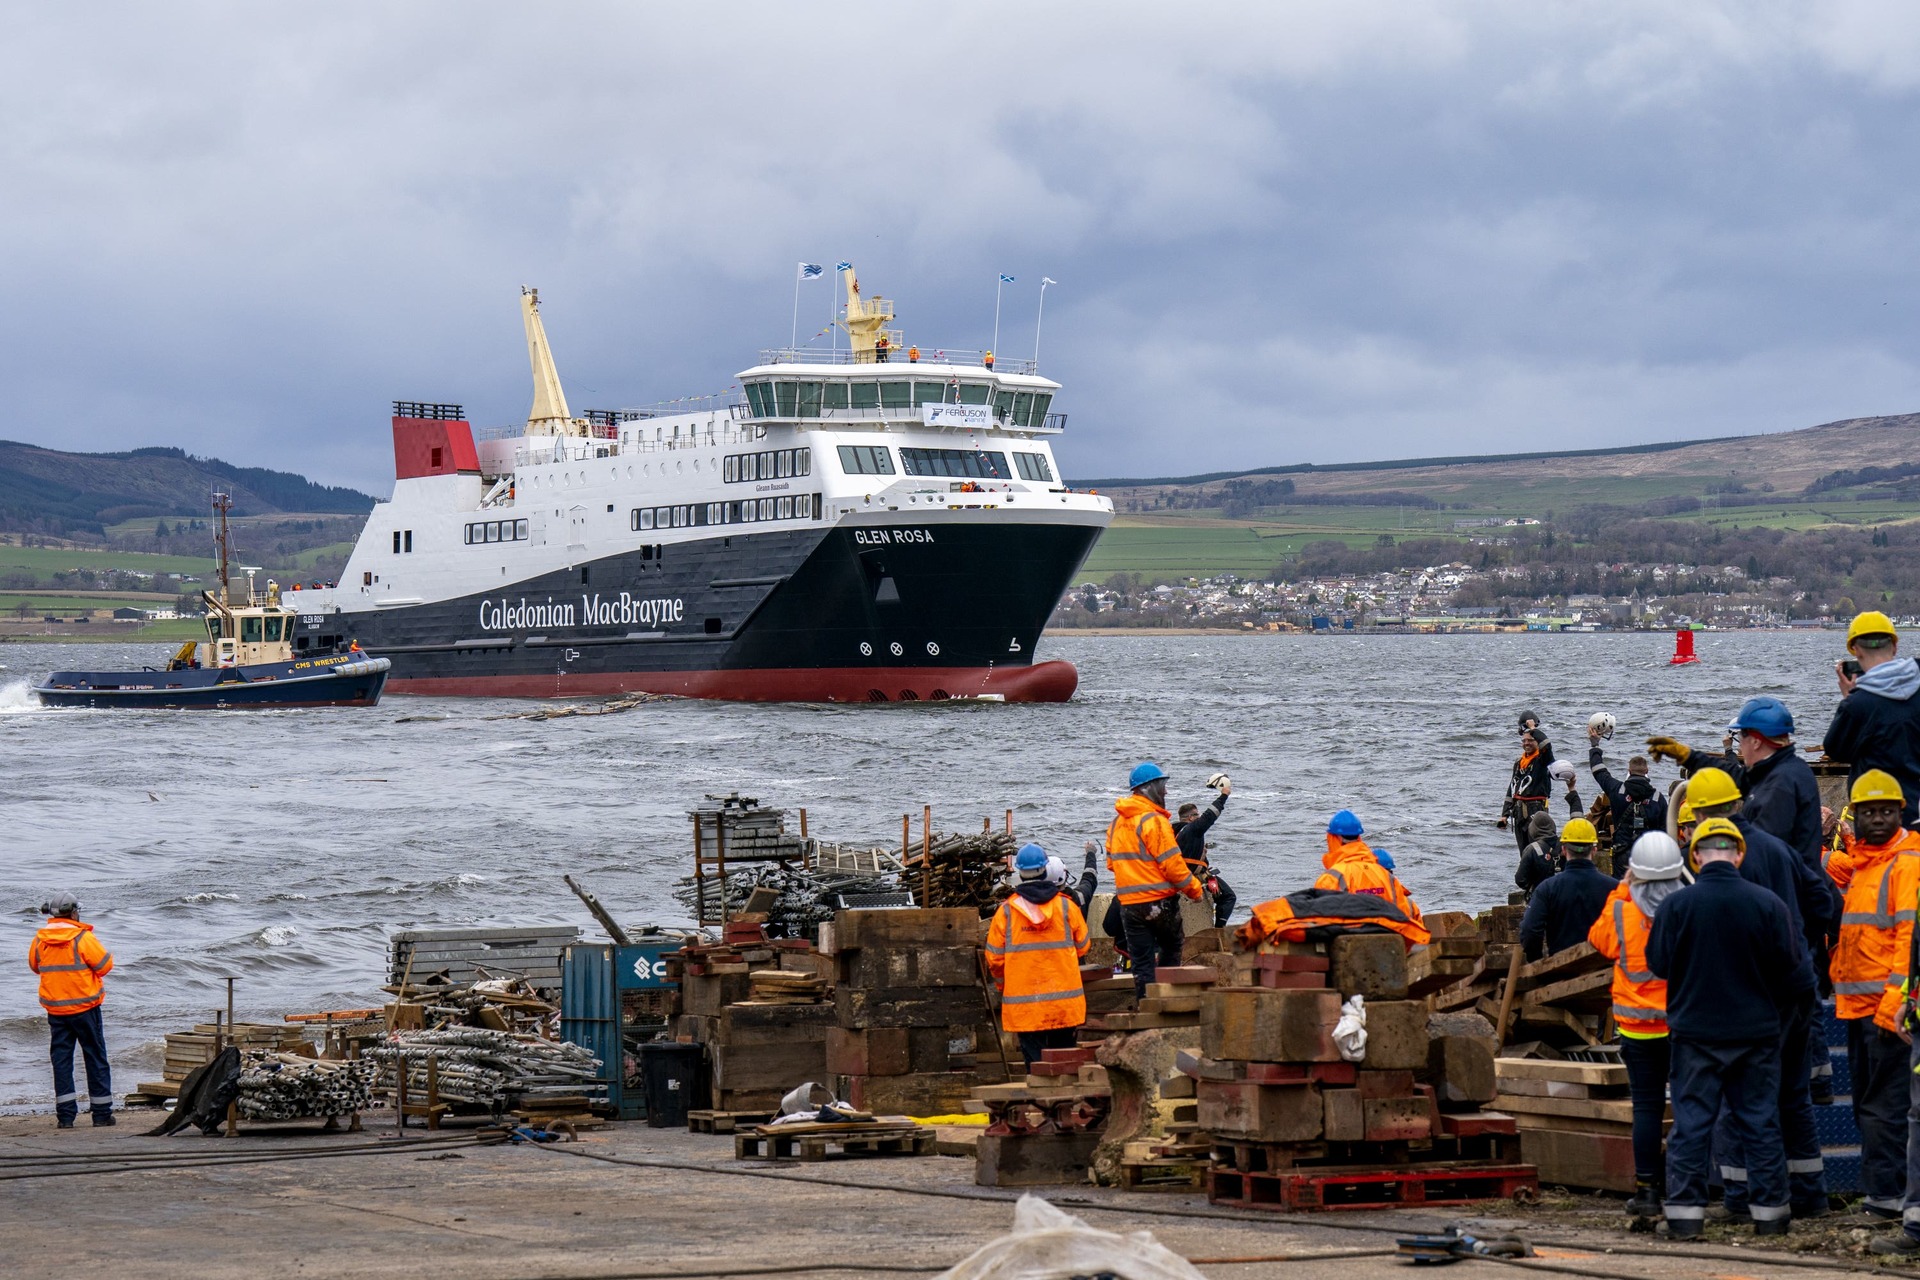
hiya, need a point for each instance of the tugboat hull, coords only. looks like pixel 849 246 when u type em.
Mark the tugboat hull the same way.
pixel 354 680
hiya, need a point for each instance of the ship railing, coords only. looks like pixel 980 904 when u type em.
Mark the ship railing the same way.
pixel 534 451
pixel 903 416
pixel 897 356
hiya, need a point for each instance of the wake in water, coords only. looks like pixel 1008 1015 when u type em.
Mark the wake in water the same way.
pixel 16 698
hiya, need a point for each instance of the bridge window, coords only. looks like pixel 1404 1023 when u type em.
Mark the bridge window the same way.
pixel 482 532
pixel 1033 466
pixel 769 465
pixel 865 395
pixel 929 393
pixel 809 399
pixel 866 460
pixel 834 396
pixel 974 392
pixel 971 464
pixel 250 630
pixel 759 400
pixel 896 395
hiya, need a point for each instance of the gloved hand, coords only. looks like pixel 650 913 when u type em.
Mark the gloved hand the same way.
pixel 1213 885
pixel 1667 748
pixel 1502 824
pixel 1093 854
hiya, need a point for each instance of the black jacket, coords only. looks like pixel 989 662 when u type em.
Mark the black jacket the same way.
pixel 1874 731
pixel 1782 799
pixel 1535 782
pixel 1192 836
pixel 1622 800
pixel 1539 863
pixel 1812 903
pixel 1730 955
pixel 1564 908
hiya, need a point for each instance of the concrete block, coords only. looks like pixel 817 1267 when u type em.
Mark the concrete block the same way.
pixel 1260 1112
pixel 1396 1035
pixel 1373 965
pixel 1256 1024
pixel 1033 1160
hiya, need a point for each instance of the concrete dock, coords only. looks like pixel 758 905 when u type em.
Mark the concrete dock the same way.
pixel 436 1205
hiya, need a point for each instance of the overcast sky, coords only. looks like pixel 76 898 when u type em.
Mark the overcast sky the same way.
pixel 1282 232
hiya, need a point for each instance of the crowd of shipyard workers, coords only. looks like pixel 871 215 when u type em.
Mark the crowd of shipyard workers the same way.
pixel 1740 902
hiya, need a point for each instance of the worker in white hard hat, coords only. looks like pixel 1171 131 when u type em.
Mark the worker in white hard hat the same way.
pixel 1655 869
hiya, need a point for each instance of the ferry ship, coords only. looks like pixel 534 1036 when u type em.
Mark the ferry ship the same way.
pixel 869 524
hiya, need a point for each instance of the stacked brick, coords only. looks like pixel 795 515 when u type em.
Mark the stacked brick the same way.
pixel 911 1034
pixel 1294 1123
pixel 757 1050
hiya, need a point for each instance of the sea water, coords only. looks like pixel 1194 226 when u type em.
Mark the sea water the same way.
pixel 282 848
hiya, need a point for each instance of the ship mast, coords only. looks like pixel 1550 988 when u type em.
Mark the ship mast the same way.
pixel 549 416
pixel 866 320
pixel 223 503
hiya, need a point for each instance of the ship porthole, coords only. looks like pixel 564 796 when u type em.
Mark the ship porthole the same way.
pixel 933 650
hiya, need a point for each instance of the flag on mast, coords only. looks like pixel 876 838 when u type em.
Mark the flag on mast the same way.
pixel 1006 279
pixel 811 271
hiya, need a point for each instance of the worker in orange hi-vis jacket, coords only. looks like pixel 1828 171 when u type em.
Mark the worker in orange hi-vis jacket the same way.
pixel 1034 946
pixel 71 962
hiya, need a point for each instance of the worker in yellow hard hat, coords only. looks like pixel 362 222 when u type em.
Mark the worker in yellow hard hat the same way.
pixel 1877 724
pixel 1870 983
pixel 1565 907
pixel 1813 906
pixel 1734 966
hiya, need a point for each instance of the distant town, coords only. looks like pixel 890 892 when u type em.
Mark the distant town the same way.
pixel 1451 597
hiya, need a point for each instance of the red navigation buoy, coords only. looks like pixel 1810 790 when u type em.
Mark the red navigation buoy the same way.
pixel 1682 648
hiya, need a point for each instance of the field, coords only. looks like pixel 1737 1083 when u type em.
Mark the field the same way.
pixel 69 603
pixel 46 560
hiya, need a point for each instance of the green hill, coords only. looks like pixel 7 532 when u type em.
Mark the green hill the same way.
pixel 51 492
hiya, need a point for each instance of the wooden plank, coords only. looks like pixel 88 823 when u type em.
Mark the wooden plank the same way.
pixel 1602 1162
pixel 1569 1072
pixel 1571 962
pixel 1616 1110
pixel 1581 991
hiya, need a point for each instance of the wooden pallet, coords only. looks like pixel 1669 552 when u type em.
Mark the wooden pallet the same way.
pixel 1358 1188
pixel 718 1122
pixel 1284 1157
pixel 767 1144
pixel 1163 1175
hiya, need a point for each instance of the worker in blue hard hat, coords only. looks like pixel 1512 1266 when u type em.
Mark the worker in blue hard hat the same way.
pixel 1780 794
pixel 1148 873
pixel 1352 867
pixel 1034 946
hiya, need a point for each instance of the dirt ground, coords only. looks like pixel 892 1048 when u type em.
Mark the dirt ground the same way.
pixel 627 1201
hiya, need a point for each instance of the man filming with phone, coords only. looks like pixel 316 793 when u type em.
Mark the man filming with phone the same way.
pixel 1877 725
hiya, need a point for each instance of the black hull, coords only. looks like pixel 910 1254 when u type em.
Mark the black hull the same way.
pixel 873 613
pixel 353 683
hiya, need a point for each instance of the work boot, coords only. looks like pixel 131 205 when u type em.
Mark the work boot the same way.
pixel 1810 1210
pixel 1771 1226
pixel 1895 1242
pixel 1685 1228
pixel 1821 1090
pixel 65 1122
pixel 1720 1213
pixel 1868 1217
pixel 1646 1200
pixel 104 1120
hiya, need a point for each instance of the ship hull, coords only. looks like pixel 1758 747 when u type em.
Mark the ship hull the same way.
pixel 357 682
pixel 882 612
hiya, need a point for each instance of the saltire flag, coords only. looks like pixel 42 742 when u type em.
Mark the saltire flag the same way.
pixel 1006 279
pixel 811 271
pixel 843 266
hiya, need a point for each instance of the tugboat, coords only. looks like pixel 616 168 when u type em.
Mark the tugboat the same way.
pixel 247 661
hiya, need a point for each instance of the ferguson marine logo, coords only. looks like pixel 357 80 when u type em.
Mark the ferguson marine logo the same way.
pixel 623 610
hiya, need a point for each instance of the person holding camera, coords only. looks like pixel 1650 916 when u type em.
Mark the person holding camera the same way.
pixel 1877 724
pixel 1191 831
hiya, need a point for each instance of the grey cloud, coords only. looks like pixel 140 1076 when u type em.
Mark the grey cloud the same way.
pixel 1304 232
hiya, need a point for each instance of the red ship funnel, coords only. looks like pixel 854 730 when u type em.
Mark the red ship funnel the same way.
pixel 1682 648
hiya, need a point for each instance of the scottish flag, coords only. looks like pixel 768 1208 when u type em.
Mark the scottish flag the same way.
pixel 811 271
pixel 1006 279
pixel 843 266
